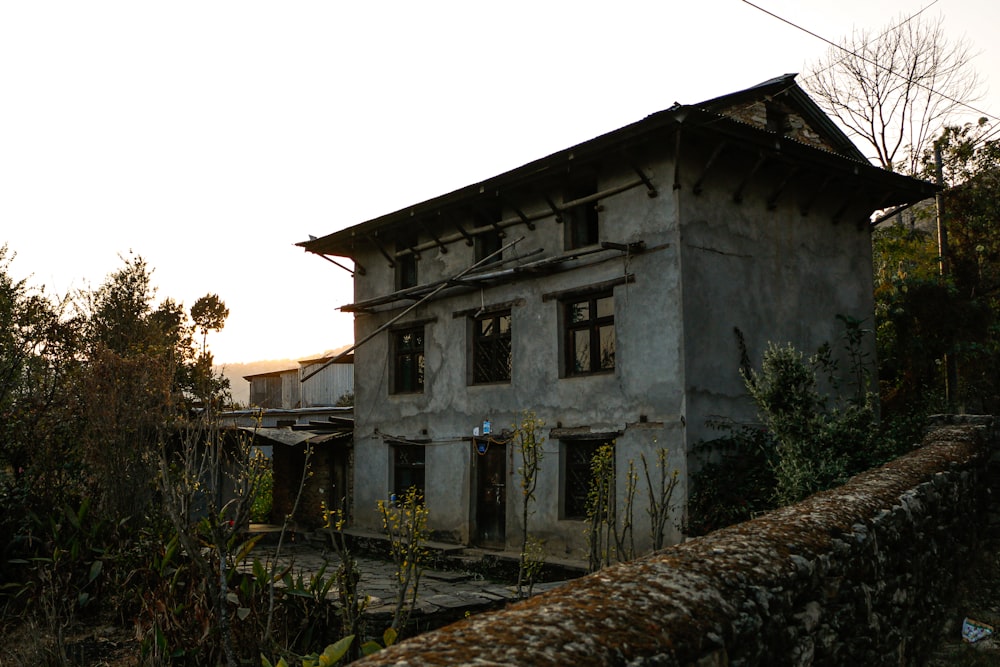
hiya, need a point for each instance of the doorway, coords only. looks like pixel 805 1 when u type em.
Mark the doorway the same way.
pixel 491 493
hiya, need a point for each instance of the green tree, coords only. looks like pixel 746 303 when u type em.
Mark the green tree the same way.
pixel 39 345
pixel 209 314
pixel 924 316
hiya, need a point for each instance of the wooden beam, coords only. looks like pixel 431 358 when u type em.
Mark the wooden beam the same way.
pixel 804 209
pixel 381 249
pixel 520 214
pixel 357 267
pixel 772 200
pixel 708 166
pixel 738 195
pixel 408 309
pixel 650 188
pixel 441 246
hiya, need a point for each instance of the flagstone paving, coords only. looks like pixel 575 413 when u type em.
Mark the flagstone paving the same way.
pixel 442 593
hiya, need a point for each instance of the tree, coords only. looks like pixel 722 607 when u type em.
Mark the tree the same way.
pixel 38 362
pixel 530 445
pixel 923 316
pixel 209 314
pixel 895 90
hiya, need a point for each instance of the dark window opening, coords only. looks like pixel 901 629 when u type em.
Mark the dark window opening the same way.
pixel 589 330
pixel 488 243
pixel 491 240
pixel 577 457
pixel 408 360
pixel 777 119
pixel 406 265
pixel 407 469
pixel 491 348
pixel 581 220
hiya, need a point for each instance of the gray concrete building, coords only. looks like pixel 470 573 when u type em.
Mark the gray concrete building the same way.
pixel 600 287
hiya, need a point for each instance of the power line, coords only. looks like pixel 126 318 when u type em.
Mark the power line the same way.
pixel 883 34
pixel 872 62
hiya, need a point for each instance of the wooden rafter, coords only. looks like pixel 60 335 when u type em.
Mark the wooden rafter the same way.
pixel 650 188
pixel 358 269
pixel 426 228
pixel 697 188
pixel 385 253
pixel 847 203
pixel 805 208
pixel 738 195
pixel 772 200
pixel 469 241
pixel 528 222
pixel 556 211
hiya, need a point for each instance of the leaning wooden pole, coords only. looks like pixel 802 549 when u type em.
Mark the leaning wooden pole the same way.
pixel 409 308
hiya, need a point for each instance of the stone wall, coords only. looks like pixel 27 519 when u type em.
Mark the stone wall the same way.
pixel 856 575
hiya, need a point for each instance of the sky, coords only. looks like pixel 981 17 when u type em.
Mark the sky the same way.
pixel 209 137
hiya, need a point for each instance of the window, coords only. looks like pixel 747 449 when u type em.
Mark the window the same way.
pixel 581 221
pixel 408 360
pixel 589 343
pixel 407 469
pixel 491 352
pixel 406 265
pixel 776 119
pixel 488 243
pixel 576 474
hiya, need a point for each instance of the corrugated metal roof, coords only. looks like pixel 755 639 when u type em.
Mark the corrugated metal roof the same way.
pixel 701 117
pixel 284 436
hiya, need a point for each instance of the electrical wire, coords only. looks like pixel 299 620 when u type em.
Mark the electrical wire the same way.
pixel 871 62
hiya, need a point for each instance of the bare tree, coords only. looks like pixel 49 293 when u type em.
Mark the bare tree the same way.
pixel 896 90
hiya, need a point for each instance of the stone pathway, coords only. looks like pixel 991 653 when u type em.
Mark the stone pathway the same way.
pixel 443 595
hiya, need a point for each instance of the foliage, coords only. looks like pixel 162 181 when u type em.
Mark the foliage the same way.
pixel 819 439
pixel 928 319
pixel 352 604
pixel 209 313
pixel 816 445
pixel 735 484
pixel 609 531
pixel 263 490
pixel 659 495
pixel 896 88
pixel 207 484
pixel 405 524
pixel 90 386
pixel 330 656
pixel 530 447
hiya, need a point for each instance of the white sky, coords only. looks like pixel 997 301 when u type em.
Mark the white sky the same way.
pixel 209 137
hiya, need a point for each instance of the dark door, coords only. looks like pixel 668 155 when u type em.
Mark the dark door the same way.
pixel 491 494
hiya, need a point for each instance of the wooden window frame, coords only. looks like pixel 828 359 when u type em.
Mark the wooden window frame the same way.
pixel 576 474
pixel 407 379
pixel 492 351
pixel 409 462
pixel 594 324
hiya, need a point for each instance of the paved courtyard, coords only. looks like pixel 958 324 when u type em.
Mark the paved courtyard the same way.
pixel 447 594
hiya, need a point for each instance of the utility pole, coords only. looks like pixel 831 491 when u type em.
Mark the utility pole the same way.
pixel 944 269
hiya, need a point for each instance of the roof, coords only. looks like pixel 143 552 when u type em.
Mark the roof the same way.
pixel 253 376
pixel 285 436
pixel 710 116
pixel 333 358
pixel 784 86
